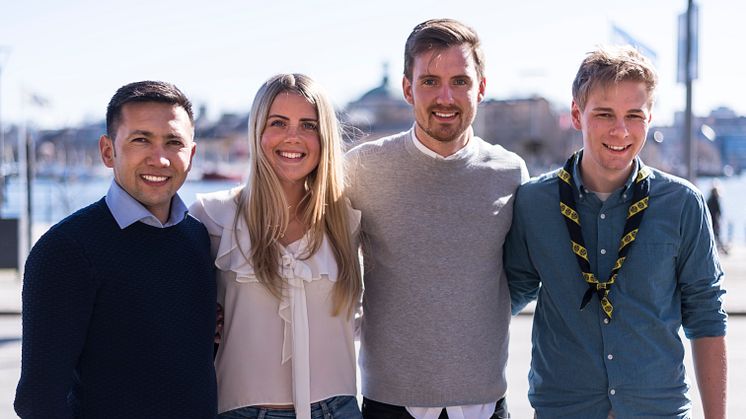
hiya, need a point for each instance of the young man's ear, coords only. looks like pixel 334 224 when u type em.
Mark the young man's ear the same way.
pixel 482 89
pixel 575 114
pixel 406 87
pixel 106 147
pixel 191 156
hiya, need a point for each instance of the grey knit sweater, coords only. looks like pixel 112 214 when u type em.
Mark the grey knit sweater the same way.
pixel 436 307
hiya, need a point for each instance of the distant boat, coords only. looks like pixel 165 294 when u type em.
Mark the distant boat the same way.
pixel 215 175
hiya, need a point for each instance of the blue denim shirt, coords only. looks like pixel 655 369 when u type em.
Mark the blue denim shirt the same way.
pixel 583 365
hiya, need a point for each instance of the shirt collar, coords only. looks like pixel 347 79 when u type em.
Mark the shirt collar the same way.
pixel 577 178
pixel 430 153
pixel 127 210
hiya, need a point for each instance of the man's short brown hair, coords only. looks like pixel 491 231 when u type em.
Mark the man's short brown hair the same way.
pixel 440 34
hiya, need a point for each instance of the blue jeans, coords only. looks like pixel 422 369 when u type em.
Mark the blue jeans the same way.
pixel 339 407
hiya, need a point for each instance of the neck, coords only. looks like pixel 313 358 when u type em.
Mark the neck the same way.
pixel 294 192
pixel 443 148
pixel 162 215
pixel 604 182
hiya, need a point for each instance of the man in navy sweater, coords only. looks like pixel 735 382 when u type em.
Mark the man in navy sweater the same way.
pixel 119 298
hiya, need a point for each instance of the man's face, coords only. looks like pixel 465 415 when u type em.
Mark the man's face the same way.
pixel 445 91
pixel 151 153
pixel 615 125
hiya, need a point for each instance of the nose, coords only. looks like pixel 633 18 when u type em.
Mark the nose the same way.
pixel 619 128
pixel 445 95
pixel 158 157
pixel 293 132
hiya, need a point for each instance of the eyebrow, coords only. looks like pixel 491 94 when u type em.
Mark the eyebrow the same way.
pixel 145 133
pixel 431 76
pixel 140 132
pixel 603 109
pixel 287 119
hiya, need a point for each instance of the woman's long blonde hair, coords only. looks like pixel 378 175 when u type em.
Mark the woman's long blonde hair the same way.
pixel 264 207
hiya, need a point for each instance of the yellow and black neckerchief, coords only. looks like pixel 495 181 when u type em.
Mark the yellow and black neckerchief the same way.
pixel 641 193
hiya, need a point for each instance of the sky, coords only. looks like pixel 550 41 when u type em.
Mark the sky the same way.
pixel 74 54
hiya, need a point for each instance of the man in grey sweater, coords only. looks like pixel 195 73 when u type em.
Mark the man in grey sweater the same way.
pixel 436 205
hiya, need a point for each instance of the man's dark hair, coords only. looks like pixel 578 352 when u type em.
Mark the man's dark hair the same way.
pixel 144 91
pixel 440 34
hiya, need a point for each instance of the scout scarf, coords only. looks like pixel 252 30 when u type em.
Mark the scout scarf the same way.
pixel 640 196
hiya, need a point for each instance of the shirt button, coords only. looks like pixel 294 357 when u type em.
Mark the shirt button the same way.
pixel 606 321
pixel 612 392
pixel 603 216
pixel 603 251
pixel 610 357
pixel 624 196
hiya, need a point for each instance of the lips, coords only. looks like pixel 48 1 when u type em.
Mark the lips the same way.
pixel 617 147
pixel 291 155
pixel 445 115
pixel 154 178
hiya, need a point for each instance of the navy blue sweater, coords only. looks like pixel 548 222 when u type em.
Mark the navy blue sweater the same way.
pixel 118 323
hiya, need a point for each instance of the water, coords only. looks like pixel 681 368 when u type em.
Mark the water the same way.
pixel 54 200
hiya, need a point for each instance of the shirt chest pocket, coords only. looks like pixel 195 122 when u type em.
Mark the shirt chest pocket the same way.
pixel 649 272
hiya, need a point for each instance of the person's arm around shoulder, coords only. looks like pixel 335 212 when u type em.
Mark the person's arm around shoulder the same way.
pixel 523 280
pixel 59 293
pixel 352 162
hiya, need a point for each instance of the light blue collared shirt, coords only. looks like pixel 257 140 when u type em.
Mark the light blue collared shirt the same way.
pixel 582 365
pixel 127 210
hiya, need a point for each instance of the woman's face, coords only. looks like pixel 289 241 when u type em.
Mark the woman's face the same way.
pixel 290 140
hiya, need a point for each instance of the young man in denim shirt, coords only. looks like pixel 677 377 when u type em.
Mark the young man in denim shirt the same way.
pixel 620 256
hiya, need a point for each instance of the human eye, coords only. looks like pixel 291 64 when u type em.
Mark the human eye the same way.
pixel 429 82
pixel 277 123
pixel 310 125
pixel 461 82
pixel 139 140
pixel 177 142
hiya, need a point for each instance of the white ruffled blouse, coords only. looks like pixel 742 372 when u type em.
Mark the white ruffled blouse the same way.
pixel 272 350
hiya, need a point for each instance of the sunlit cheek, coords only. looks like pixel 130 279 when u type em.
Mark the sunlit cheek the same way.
pixel 640 127
pixel 424 96
pixel 184 157
pixel 598 125
pixel 266 143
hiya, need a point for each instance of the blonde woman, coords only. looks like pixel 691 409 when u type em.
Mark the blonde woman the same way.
pixel 288 273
